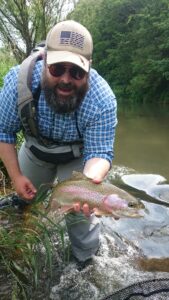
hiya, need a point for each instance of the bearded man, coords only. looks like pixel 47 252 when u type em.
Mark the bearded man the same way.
pixel 76 117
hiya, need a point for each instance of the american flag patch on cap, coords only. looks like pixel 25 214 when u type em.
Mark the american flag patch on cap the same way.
pixel 72 38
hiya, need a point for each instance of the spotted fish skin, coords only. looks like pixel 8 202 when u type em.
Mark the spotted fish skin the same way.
pixel 105 197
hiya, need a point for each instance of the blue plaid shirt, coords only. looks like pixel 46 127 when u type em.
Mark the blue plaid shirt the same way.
pixel 96 116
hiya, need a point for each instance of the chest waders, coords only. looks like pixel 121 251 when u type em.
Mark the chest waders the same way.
pixel 43 148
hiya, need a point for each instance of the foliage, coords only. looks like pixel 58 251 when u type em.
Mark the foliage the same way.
pixel 150 61
pixel 24 23
pixel 26 245
pixel 6 62
pixel 131 45
pixel 85 13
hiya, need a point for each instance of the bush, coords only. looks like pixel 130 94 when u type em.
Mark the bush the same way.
pixel 6 62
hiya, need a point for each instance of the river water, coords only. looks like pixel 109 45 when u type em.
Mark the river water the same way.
pixel 142 139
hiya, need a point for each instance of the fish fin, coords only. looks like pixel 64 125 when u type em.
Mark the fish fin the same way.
pixel 66 208
pixel 115 216
pixel 55 206
pixel 78 176
pixel 98 212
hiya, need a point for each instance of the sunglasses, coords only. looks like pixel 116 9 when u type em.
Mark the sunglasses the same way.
pixel 58 70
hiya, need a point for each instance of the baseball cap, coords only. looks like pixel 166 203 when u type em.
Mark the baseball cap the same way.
pixel 69 41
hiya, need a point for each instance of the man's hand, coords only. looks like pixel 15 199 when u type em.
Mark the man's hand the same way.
pixel 22 184
pixel 24 187
pixel 85 209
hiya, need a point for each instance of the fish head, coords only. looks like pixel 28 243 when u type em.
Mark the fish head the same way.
pixel 121 207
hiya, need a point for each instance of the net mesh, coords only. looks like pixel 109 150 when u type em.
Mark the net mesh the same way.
pixel 156 289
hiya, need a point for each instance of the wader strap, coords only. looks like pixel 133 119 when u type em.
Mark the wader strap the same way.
pixel 55 153
pixel 77 127
pixel 25 79
pixel 26 100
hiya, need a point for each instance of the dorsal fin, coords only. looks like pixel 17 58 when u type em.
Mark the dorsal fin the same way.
pixel 78 176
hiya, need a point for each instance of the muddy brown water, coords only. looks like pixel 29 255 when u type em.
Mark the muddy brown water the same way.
pixel 142 139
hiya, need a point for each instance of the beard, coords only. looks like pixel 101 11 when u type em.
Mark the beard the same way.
pixel 63 104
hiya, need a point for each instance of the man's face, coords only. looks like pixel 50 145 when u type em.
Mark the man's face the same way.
pixel 65 86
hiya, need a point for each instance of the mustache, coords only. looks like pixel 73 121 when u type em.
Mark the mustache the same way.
pixel 65 86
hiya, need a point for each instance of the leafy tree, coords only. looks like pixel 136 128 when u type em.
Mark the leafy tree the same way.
pixel 23 23
pixel 150 60
pixel 131 45
pixel 110 23
pixel 85 12
pixel 6 62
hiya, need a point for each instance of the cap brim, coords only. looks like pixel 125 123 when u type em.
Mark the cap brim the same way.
pixel 54 57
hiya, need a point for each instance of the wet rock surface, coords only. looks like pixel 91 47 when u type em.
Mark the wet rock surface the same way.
pixel 116 266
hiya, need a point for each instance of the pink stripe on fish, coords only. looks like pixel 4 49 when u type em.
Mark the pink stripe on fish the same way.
pixel 83 192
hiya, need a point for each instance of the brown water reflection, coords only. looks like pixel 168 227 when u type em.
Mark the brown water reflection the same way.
pixel 142 139
pixel 154 264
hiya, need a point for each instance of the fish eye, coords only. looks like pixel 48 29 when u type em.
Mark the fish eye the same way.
pixel 131 204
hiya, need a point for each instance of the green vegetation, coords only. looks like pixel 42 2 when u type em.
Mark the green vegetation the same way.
pixel 131 46
pixel 26 246
pixel 6 62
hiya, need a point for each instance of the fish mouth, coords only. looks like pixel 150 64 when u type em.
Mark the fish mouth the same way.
pixel 133 210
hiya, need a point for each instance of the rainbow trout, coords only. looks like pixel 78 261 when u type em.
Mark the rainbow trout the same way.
pixel 107 199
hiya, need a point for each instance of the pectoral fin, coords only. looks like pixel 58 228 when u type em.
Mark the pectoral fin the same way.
pixel 66 209
pixel 79 176
pixel 98 212
pixel 55 206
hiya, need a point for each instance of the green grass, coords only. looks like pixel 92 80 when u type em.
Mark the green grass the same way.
pixel 26 245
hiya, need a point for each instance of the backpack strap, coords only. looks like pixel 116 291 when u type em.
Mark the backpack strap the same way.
pixel 26 100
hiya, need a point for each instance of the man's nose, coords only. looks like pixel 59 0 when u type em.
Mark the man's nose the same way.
pixel 66 77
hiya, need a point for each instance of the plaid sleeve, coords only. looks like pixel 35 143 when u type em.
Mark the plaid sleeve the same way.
pixel 99 136
pixel 100 130
pixel 9 120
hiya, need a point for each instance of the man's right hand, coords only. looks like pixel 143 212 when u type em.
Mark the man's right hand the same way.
pixel 24 187
pixel 22 184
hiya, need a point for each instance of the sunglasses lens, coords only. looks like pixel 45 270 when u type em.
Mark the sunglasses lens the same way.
pixel 77 73
pixel 56 70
